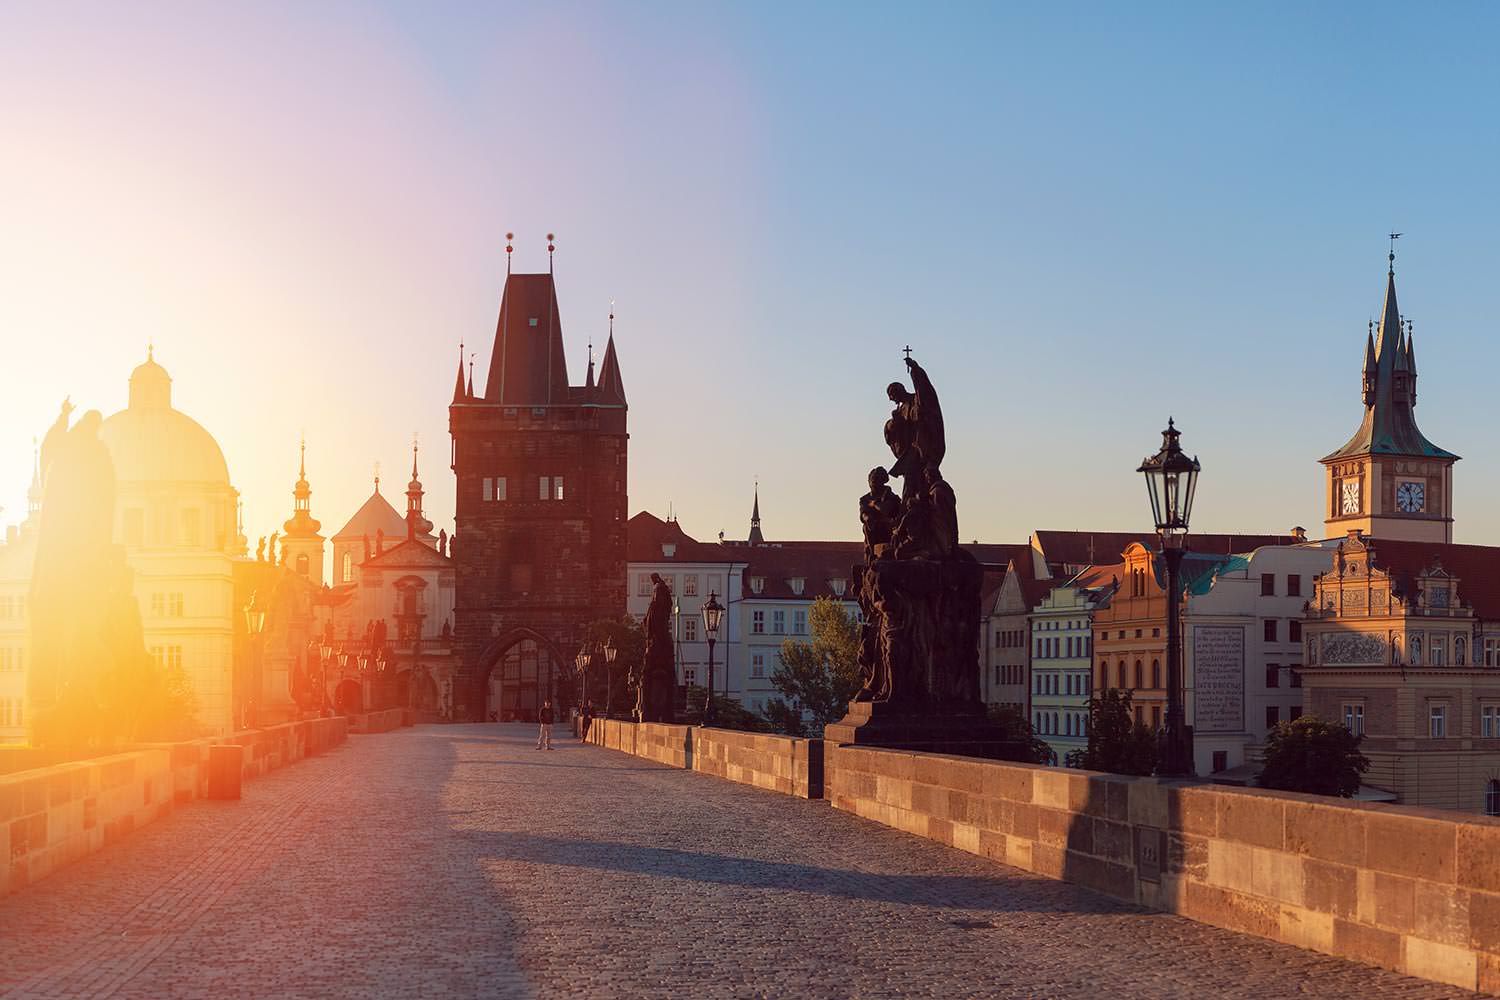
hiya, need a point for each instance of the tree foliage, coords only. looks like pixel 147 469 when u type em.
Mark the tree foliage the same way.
pixel 1310 754
pixel 629 639
pixel 1117 743
pixel 1016 729
pixel 817 679
pixel 728 713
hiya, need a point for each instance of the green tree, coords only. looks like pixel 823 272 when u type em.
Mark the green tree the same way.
pixel 629 640
pixel 1117 743
pixel 728 713
pixel 820 677
pixel 1016 729
pixel 1312 755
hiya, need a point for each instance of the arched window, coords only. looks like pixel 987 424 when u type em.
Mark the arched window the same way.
pixel 1140 676
pixel 1054 723
pixel 302 564
pixel 1156 673
pixel 346 573
pixel 1492 798
pixel 1121 672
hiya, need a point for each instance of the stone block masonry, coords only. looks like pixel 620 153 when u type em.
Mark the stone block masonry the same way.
pixel 1413 890
pixel 51 816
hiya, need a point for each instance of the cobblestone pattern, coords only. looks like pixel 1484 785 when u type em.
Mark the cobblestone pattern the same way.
pixel 459 861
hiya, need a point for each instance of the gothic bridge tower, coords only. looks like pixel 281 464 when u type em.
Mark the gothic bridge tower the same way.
pixel 1389 481
pixel 539 546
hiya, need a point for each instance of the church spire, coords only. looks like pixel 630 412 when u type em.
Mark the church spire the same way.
pixel 611 385
pixel 756 538
pixel 301 524
pixel 34 492
pixel 416 524
pixel 459 395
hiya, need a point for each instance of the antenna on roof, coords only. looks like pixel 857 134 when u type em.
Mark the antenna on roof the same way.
pixel 551 246
pixel 508 251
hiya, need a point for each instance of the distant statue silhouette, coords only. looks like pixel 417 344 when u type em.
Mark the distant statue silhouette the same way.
pixel 52 443
pixel 272 550
pixel 82 633
pixel 260 550
pixel 443 542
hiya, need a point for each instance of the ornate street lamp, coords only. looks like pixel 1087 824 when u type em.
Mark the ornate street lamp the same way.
pixel 325 653
pixel 1171 481
pixel 255 625
pixel 713 614
pixel 610 653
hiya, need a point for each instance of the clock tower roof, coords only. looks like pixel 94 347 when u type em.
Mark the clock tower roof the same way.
pixel 1389 426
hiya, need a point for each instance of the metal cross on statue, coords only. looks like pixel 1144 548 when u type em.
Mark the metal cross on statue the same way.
pixel 907 349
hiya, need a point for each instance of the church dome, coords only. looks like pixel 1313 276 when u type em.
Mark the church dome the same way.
pixel 149 441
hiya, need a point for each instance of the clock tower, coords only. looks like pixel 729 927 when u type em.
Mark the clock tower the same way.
pixel 1389 481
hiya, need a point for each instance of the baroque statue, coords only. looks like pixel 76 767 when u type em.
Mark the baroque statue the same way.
pixel 657 685
pixel 918 593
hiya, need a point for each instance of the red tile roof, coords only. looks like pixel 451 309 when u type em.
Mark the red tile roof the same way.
pixel 645 534
pixel 1085 548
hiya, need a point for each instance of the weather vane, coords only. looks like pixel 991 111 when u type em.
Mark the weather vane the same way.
pixel 1392 255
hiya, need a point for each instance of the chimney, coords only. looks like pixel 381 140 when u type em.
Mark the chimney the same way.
pixel 1299 533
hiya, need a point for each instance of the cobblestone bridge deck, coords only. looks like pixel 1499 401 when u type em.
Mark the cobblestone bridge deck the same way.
pixel 459 861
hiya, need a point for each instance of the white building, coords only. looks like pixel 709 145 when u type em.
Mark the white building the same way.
pixel 1242 650
pixel 176 517
pixel 1062 628
pixel 17 554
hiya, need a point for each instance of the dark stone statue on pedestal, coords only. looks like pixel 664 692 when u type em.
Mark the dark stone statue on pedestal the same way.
pixel 918 593
pixel 655 697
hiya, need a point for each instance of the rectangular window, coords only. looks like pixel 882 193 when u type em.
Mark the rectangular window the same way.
pixel 644 588
pixel 799 622
pixel 487 489
pixel 1296 674
pixel 757 664
pixel 778 622
pixel 1273 675
pixel 1492 652
pixel 157 605
pixel 174 605
pixel 1268 585
pixel 1293 585
pixel 1273 716
pixel 1437 721
pixel 1155 717
pixel 1489 722
pixel 557 487
pixel 1437 652
pixel 690 628
pixel 1268 628
pixel 690 585
pixel 499 488
pixel 1294 631
pixel 543 487
pixel 1354 718
pixel 758 622
pixel 716 584
pixel 1294 713
pixel 690 675
pixel 1140 715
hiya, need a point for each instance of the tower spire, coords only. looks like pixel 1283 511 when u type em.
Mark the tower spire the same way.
pixel 458 384
pixel 416 524
pixel 756 538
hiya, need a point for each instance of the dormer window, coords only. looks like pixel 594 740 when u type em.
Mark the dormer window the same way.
pixel 668 549
pixel 838 586
pixel 757 584
pixel 797 583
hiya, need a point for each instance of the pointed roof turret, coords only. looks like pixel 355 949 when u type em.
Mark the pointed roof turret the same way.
pixel 34 491
pixel 1389 427
pixel 527 365
pixel 418 528
pixel 611 385
pixel 302 524
pixel 756 538
pixel 459 395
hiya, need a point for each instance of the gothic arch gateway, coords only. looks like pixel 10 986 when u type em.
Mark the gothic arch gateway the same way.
pixel 517 671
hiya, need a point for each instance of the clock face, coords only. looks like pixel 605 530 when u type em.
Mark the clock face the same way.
pixel 1350 497
pixel 1411 497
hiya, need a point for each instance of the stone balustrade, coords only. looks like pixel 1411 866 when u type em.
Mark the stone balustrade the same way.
pixel 1414 890
pixel 50 816
pixel 378 722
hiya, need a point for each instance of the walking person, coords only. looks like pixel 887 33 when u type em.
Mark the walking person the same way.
pixel 544 716
pixel 587 720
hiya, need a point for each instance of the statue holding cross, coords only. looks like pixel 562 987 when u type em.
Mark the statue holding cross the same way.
pixel 914 431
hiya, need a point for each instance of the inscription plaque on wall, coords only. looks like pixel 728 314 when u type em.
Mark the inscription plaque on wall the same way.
pixel 1218 678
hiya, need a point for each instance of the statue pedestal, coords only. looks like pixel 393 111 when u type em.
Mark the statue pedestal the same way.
pixel 959 731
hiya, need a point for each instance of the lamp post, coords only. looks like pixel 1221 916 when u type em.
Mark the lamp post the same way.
pixel 344 658
pixel 325 653
pixel 255 624
pixel 1171 480
pixel 713 614
pixel 610 653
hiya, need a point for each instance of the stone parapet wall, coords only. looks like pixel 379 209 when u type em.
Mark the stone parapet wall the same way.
pixel 1409 889
pixel 783 764
pixel 50 816
pixel 377 722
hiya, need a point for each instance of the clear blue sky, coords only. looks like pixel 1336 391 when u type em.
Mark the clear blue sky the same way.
pixel 1080 221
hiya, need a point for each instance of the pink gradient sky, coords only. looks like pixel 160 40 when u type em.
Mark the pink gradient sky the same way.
pixel 304 207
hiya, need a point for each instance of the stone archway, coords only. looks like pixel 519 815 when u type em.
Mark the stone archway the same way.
pixel 518 669
pixel 348 697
